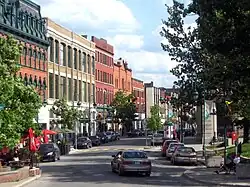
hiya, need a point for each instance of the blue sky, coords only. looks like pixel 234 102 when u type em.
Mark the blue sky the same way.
pixel 132 26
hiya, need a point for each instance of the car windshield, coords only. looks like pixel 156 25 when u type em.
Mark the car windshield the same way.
pixel 186 150
pixel 169 142
pixel 134 155
pixel 46 147
pixel 157 135
pixel 176 145
pixel 109 133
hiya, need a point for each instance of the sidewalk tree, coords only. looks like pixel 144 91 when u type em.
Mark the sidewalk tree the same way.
pixel 154 122
pixel 68 115
pixel 125 108
pixel 20 104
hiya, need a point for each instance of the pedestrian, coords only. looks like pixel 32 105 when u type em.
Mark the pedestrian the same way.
pixel 239 148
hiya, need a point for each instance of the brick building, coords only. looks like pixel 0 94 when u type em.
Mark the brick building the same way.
pixel 104 74
pixel 122 76
pixel 30 30
pixel 71 71
pixel 138 92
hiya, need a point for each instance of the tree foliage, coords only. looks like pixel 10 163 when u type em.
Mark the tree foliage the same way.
pixel 125 108
pixel 154 122
pixel 20 103
pixel 212 57
pixel 66 115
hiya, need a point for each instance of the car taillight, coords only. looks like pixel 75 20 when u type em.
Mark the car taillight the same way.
pixel 146 163
pixel 127 162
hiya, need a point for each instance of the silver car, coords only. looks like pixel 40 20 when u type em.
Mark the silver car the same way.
pixel 184 155
pixel 156 139
pixel 171 149
pixel 131 161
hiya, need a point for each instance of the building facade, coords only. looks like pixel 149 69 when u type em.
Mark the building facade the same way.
pixel 71 72
pixel 104 72
pixel 138 92
pixel 29 28
pixel 122 76
pixel 152 97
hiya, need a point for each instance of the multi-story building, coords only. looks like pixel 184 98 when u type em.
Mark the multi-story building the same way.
pixel 122 76
pixel 71 71
pixel 152 97
pixel 29 28
pixel 104 73
pixel 138 92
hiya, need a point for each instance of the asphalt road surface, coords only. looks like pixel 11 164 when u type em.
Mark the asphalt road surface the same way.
pixel 91 168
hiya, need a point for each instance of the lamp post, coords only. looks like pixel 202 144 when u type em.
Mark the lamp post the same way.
pixel 76 122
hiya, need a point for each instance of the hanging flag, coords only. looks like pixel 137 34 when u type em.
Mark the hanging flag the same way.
pixel 32 144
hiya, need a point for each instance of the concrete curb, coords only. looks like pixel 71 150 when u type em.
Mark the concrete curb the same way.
pixel 191 178
pixel 27 181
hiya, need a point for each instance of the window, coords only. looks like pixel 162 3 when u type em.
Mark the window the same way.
pixel 93 65
pixel 123 84
pixel 116 83
pixel 84 91
pixel 25 55
pixel 62 55
pixel 89 92
pixel 101 78
pixel 39 59
pixel 75 90
pixel 57 87
pixel 35 58
pixel 84 63
pixel 64 90
pixel 69 57
pixel 51 49
pixel 51 85
pixel 30 56
pixel 79 60
pixel 69 89
pixel 43 61
pixel 80 90
pixel 57 52
pixel 93 91
pixel 105 59
pixel 89 64
pixel 75 58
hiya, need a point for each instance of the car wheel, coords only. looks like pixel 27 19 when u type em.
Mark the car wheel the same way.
pixel 120 172
pixel 58 158
pixel 54 159
pixel 112 168
pixel 148 174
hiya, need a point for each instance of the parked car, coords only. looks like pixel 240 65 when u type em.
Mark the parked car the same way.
pixel 149 133
pixel 134 133
pixel 117 135
pixel 95 140
pixel 171 149
pixel 156 139
pixel 109 135
pixel 49 152
pixel 84 143
pixel 184 155
pixel 131 161
pixel 165 146
pixel 103 137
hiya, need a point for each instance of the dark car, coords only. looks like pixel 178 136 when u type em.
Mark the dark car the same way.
pixel 95 140
pixel 49 152
pixel 84 143
pixel 103 137
pixel 117 135
pixel 135 133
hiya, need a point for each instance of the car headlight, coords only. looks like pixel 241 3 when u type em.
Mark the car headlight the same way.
pixel 50 153
pixel 84 143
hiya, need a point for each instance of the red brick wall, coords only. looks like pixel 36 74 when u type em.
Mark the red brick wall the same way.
pixel 138 91
pixel 14 176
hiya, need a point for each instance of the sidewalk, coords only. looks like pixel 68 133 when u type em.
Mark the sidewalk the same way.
pixel 20 183
pixel 209 177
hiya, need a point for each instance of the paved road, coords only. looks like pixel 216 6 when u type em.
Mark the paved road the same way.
pixel 92 169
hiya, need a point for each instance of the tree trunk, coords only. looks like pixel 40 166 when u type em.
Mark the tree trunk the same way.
pixel 246 131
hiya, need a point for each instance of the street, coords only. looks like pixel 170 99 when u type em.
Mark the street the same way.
pixel 92 168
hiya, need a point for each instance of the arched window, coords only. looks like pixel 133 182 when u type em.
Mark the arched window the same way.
pixel 51 49
pixel 93 65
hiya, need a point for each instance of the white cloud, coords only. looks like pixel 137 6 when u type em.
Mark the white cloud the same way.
pixel 108 15
pixel 129 41
pixel 150 66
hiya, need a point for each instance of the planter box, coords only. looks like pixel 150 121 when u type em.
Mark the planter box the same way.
pixel 243 171
pixel 213 161
pixel 14 176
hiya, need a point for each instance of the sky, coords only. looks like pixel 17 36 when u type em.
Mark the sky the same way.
pixel 131 26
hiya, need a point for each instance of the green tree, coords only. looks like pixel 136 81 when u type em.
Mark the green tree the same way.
pixel 20 104
pixel 125 108
pixel 154 122
pixel 68 115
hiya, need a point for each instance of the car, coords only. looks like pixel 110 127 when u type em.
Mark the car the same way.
pixel 84 143
pixel 131 161
pixel 134 133
pixel 184 155
pixel 165 146
pixel 156 139
pixel 49 152
pixel 117 135
pixel 95 140
pixel 171 149
pixel 103 137
pixel 109 135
